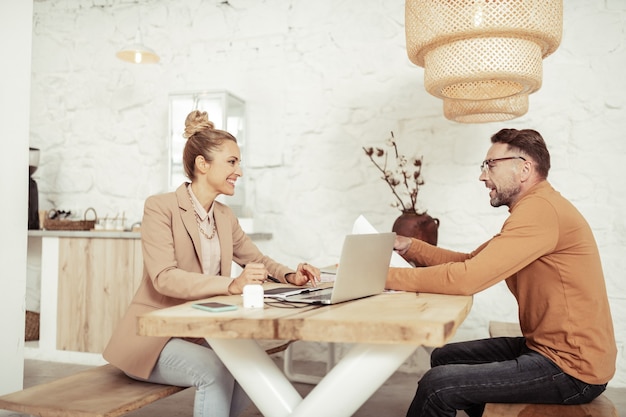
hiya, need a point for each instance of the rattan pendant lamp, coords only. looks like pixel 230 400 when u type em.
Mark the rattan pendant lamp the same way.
pixel 478 55
pixel 485 111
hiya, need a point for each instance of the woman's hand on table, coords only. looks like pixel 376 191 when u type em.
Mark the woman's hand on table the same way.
pixel 253 273
pixel 304 274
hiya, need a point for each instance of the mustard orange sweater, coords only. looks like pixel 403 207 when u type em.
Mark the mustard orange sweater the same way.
pixel 548 256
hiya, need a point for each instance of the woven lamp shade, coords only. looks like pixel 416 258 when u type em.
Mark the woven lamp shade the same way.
pixel 482 49
pixel 485 111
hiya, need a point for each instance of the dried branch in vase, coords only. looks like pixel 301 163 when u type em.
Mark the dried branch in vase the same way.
pixel 404 179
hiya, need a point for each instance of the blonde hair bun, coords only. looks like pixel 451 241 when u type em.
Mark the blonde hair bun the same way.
pixel 197 121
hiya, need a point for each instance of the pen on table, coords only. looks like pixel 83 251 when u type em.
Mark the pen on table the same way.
pixel 269 278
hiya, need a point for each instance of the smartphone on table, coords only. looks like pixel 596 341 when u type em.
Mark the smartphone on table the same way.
pixel 214 307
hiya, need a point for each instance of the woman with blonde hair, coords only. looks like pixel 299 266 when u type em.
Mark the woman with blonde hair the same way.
pixel 189 241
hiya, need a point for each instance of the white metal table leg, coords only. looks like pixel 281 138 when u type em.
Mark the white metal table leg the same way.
pixel 258 375
pixel 354 379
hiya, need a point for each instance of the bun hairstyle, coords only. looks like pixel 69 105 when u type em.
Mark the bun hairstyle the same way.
pixel 202 139
pixel 197 121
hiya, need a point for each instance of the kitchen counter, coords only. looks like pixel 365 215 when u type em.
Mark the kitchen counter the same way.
pixel 108 234
pixel 81 282
pixel 113 234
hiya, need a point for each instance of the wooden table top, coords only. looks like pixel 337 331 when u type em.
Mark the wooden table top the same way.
pixel 391 317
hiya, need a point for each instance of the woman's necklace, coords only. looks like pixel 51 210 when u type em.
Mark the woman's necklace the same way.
pixel 198 221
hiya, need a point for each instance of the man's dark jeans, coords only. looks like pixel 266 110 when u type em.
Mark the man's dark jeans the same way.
pixel 466 375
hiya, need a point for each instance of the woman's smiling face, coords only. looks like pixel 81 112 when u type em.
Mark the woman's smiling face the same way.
pixel 225 169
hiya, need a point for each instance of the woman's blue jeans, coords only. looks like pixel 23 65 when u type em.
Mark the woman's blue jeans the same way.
pixel 188 364
pixel 467 375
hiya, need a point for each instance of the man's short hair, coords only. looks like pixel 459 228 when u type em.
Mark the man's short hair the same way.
pixel 530 143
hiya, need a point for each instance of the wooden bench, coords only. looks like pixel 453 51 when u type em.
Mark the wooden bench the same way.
pixel 599 407
pixel 104 391
pixel 504 329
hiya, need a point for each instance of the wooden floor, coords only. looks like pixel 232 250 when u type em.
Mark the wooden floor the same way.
pixel 392 399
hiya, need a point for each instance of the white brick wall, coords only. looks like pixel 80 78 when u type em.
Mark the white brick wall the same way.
pixel 321 79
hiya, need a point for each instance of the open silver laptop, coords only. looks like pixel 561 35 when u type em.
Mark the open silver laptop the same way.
pixel 362 271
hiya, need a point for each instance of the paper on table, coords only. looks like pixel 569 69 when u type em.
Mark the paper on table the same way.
pixel 328 273
pixel 363 226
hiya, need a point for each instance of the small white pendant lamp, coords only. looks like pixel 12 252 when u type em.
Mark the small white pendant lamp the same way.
pixel 138 53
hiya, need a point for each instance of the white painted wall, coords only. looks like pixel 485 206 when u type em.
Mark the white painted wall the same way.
pixel 321 79
pixel 15 50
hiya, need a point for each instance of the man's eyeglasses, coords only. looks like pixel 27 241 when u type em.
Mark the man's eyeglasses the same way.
pixel 490 163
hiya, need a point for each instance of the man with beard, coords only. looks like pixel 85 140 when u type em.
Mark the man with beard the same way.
pixel 549 259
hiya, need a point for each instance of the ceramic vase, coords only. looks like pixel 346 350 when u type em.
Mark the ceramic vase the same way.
pixel 420 226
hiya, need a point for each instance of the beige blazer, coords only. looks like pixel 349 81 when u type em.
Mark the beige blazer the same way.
pixel 172 272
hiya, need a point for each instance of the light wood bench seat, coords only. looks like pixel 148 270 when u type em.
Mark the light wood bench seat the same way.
pixel 600 407
pixel 504 329
pixel 104 391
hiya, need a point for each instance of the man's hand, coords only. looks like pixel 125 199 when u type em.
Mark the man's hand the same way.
pixel 402 244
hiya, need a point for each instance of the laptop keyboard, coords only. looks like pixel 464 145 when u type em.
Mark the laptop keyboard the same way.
pixel 318 297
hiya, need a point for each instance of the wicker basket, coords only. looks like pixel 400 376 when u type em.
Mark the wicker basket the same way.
pixel 32 326
pixel 54 224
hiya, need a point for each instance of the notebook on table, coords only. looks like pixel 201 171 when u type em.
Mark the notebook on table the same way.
pixel 362 272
